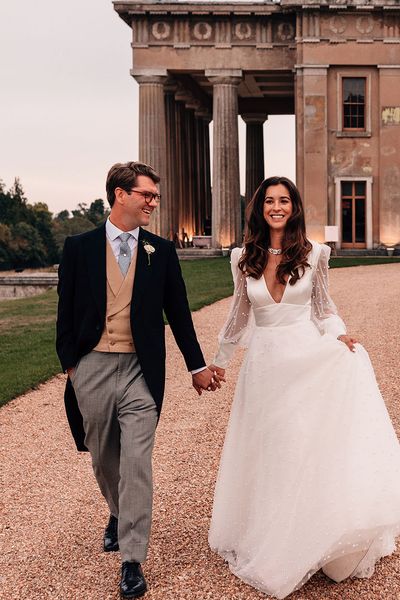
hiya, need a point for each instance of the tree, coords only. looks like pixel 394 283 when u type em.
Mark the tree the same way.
pixel 30 236
pixel 13 204
pixel 5 240
pixel 62 228
pixel 83 219
pixel 97 213
pixel 63 215
pixel 43 223
pixel 28 240
pixel 27 246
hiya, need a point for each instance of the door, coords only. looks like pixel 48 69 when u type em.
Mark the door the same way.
pixel 353 213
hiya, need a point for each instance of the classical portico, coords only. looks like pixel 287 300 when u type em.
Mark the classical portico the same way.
pixel 335 65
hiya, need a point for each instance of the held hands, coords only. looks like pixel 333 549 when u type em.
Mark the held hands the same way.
pixel 218 371
pixel 349 341
pixel 209 379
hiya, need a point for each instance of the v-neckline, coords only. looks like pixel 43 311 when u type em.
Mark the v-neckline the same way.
pixel 269 293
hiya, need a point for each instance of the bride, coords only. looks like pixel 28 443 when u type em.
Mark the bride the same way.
pixel 310 471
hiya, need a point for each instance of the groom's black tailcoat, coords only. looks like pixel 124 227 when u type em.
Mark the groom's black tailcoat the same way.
pixel 82 304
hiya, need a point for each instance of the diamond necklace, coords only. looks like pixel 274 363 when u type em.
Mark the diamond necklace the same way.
pixel 275 250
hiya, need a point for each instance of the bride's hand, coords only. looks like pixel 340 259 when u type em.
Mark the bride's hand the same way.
pixel 349 341
pixel 220 373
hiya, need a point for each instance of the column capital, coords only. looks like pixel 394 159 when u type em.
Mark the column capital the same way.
pixel 149 76
pixel 254 118
pixel 224 76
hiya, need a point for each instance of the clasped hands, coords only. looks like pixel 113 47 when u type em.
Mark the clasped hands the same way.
pixel 209 379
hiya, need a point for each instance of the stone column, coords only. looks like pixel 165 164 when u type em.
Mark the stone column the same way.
pixel 188 161
pixel 200 181
pixel 226 214
pixel 207 171
pixel 203 170
pixel 171 202
pixel 152 138
pixel 190 183
pixel 254 152
pixel 180 164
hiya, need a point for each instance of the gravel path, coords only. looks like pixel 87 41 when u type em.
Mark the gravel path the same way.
pixel 52 512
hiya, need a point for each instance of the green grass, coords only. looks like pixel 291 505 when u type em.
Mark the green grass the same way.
pixel 27 325
pixel 27 353
pixel 207 280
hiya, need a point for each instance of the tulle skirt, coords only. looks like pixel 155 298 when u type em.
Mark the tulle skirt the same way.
pixel 310 470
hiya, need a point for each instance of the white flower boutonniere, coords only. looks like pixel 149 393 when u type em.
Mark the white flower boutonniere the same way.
pixel 149 249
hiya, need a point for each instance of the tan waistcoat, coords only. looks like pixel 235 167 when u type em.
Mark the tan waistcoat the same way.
pixel 117 334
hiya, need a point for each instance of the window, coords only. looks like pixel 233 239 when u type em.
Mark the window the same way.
pixel 353 209
pixel 353 94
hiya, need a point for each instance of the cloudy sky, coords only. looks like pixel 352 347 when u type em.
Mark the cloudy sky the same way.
pixel 68 106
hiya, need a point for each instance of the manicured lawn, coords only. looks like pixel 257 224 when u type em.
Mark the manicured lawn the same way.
pixel 27 326
pixel 207 280
pixel 27 354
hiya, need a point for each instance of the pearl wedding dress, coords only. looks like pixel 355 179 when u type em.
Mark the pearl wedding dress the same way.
pixel 310 471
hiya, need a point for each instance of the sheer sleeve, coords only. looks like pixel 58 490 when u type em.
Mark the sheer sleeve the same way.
pixel 237 326
pixel 323 310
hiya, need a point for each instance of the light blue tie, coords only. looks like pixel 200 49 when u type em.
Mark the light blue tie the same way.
pixel 124 258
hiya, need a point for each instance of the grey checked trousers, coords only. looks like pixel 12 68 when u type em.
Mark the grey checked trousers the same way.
pixel 120 419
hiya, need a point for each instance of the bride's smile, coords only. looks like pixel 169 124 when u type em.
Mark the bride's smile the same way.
pixel 278 206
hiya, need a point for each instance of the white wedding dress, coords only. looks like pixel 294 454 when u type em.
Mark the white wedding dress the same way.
pixel 310 471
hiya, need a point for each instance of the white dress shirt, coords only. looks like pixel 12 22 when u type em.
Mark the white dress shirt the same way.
pixel 113 233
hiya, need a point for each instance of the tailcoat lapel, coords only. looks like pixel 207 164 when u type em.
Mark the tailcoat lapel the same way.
pixel 95 255
pixel 144 271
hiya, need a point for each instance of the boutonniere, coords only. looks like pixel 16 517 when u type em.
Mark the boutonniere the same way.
pixel 149 249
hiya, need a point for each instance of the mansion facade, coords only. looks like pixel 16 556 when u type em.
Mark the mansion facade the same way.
pixel 335 64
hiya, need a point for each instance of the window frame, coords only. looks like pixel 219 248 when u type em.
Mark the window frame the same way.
pixel 341 131
pixel 344 103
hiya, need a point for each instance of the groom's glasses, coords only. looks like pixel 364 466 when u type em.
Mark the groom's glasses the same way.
pixel 147 196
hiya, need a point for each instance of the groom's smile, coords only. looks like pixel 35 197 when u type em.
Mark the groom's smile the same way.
pixel 136 205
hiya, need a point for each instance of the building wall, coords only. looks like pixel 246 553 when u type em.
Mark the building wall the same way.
pixel 388 183
pixel 349 44
pixel 353 155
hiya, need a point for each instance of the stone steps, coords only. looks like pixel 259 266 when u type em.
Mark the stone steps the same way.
pixel 197 253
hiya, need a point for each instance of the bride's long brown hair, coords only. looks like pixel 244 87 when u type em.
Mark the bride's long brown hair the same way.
pixel 295 245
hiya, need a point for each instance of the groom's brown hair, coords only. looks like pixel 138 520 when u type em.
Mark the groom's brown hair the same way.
pixel 123 175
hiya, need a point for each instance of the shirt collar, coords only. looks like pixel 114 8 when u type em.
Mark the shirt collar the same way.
pixel 113 231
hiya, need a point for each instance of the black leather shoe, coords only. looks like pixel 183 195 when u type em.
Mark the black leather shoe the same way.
pixel 111 535
pixel 133 583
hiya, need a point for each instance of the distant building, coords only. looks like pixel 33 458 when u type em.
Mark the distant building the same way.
pixel 335 64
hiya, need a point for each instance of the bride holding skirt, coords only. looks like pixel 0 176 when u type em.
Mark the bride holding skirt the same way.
pixel 310 470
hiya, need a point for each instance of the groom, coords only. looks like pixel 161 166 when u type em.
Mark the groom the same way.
pixel 114 284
